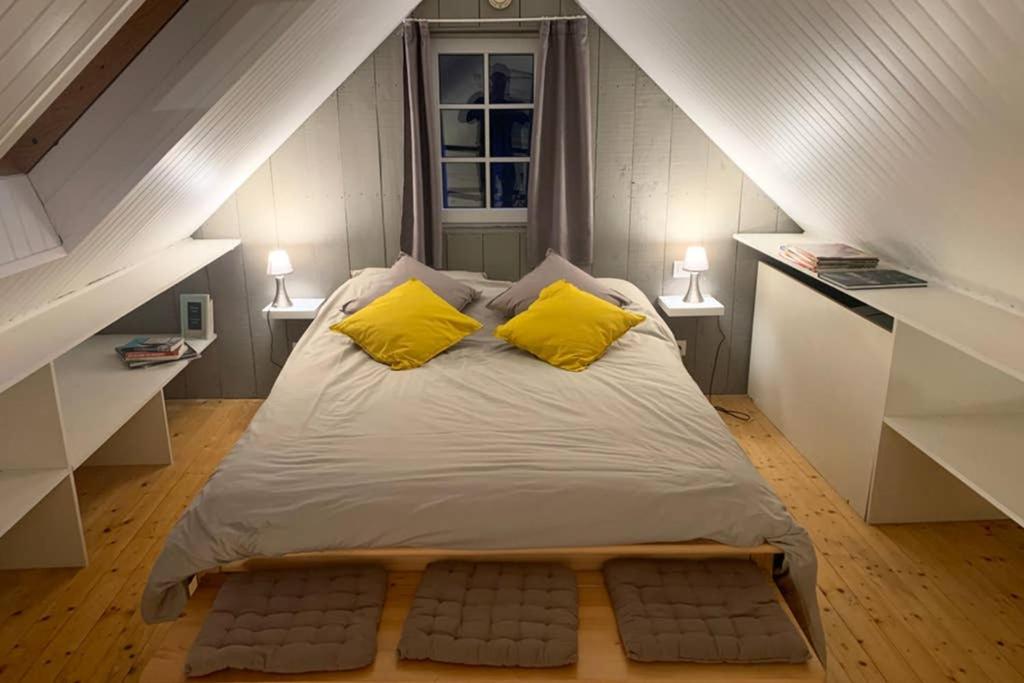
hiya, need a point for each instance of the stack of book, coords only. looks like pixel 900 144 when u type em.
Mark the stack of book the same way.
pixel 819 257
pixel 143 352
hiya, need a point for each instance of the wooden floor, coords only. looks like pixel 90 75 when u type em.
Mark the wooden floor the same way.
pixel 923 602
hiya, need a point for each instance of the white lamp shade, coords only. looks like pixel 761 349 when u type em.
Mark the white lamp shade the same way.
pixel 696 259
pixel 278 263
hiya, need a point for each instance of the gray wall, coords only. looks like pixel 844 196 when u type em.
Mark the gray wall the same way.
pixel 331 196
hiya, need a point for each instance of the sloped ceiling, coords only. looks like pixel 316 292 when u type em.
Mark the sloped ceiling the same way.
pixel 897 125
pixel 44 44
pixel 207 101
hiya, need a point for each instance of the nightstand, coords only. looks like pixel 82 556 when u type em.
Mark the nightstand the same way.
pixel 674 307
pixel 301 309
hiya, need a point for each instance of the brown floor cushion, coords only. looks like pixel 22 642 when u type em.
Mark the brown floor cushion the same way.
pixel 493 614
pixel 700 611
pixel 292 621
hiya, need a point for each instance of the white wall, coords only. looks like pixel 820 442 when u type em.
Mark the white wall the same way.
pixel 897 126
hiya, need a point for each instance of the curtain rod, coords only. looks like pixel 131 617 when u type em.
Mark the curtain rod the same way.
pixel 499 20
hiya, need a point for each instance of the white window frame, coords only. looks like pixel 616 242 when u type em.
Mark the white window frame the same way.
pixel 486 47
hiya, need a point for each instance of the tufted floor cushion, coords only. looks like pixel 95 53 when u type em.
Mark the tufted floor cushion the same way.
pixel 493 614
pixel 292 621
pixel 700 611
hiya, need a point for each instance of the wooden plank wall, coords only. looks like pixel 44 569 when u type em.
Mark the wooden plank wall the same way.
pixel 332 196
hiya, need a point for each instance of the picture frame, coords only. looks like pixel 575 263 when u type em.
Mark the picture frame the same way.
pixel 196 312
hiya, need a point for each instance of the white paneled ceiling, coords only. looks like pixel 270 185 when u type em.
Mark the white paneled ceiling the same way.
pixel 897 125
pixel 208 100
pixel 44 44
pixel 26 237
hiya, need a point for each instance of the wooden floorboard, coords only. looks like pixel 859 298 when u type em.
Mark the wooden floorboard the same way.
pixel 915 602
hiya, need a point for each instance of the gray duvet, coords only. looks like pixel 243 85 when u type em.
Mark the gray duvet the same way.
pixel 483 447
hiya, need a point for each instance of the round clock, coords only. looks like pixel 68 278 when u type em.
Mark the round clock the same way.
pixel 500 4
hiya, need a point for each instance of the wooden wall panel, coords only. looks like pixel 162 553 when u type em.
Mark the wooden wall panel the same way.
pixel 648 200
pixel 331 195
pixel 613 160
pixel 361 163
pixel 387 71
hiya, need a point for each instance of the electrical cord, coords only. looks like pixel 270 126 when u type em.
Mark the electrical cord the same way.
pixel 738 414
pixel 270 328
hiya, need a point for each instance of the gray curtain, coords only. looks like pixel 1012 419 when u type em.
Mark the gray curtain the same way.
pixel 421 214
pixel 560 213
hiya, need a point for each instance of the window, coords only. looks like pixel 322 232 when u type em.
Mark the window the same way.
pixel 484 126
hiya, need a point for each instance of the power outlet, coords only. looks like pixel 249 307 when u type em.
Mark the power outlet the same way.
pixel 678 270
pixel 681 343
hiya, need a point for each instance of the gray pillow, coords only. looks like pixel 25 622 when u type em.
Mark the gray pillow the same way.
pixel 456 293
pixel 519 296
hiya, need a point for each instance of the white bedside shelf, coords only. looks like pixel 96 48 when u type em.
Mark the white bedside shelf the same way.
pixel 302 309
pixel 674 307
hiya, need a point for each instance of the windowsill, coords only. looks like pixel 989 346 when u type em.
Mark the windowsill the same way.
pixel 476 227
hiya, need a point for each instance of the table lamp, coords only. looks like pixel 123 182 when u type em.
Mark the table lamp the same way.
pixel 279 265
pixel 695 262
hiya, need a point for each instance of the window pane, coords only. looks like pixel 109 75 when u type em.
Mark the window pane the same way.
pixel 462 133
pixel 461 79
pixel 510 132
pixel 511 78
pixel 508 185
pixel 463 185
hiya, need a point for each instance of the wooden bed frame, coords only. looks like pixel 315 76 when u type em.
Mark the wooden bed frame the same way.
pixel 600 654
pixel 583 558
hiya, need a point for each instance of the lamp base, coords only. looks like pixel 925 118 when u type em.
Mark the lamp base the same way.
pixel 281 298
pixel 693 293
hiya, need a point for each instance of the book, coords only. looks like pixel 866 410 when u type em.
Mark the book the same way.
pixel 827 256
pixel 161 344
pixel 872 279
pixel 186 353
pixel 156 355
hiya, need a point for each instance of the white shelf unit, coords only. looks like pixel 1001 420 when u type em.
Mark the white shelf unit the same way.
pixel 301 309
pixel 84 408
pixel 92 370
pixel 31 343
pixel 67 401
pixel 21 490
pixel 673 306
pixel 969 447
pixel 939 425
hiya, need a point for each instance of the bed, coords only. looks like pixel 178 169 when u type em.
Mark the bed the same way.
pixel 484 448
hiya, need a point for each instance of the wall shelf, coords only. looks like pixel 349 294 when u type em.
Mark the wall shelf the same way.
pixel 67 400
pixel 22 490
pixel 940 423
pixel 93 369
pixel 991 334
pixel 30 343
pixel 983 451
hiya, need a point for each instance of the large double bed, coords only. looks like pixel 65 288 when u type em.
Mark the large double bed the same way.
pixel 483 448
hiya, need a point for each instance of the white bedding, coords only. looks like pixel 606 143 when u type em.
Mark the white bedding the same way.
pixel 483 447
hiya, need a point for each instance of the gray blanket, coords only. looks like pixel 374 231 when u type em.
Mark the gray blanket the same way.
pixel 483 447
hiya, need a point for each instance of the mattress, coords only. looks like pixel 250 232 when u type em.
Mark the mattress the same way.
pixel 485 447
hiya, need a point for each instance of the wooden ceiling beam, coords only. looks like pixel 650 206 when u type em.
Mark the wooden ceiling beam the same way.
pixel 99 73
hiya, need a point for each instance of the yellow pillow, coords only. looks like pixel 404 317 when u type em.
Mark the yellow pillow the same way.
pixel 566 327
pixel 407 326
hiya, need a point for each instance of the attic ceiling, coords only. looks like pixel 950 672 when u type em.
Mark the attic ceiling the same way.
pixel 100 71
pixel 218 89
pixel 897 125
pixel 46 44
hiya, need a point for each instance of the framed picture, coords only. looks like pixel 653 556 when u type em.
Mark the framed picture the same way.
pixel 196 316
